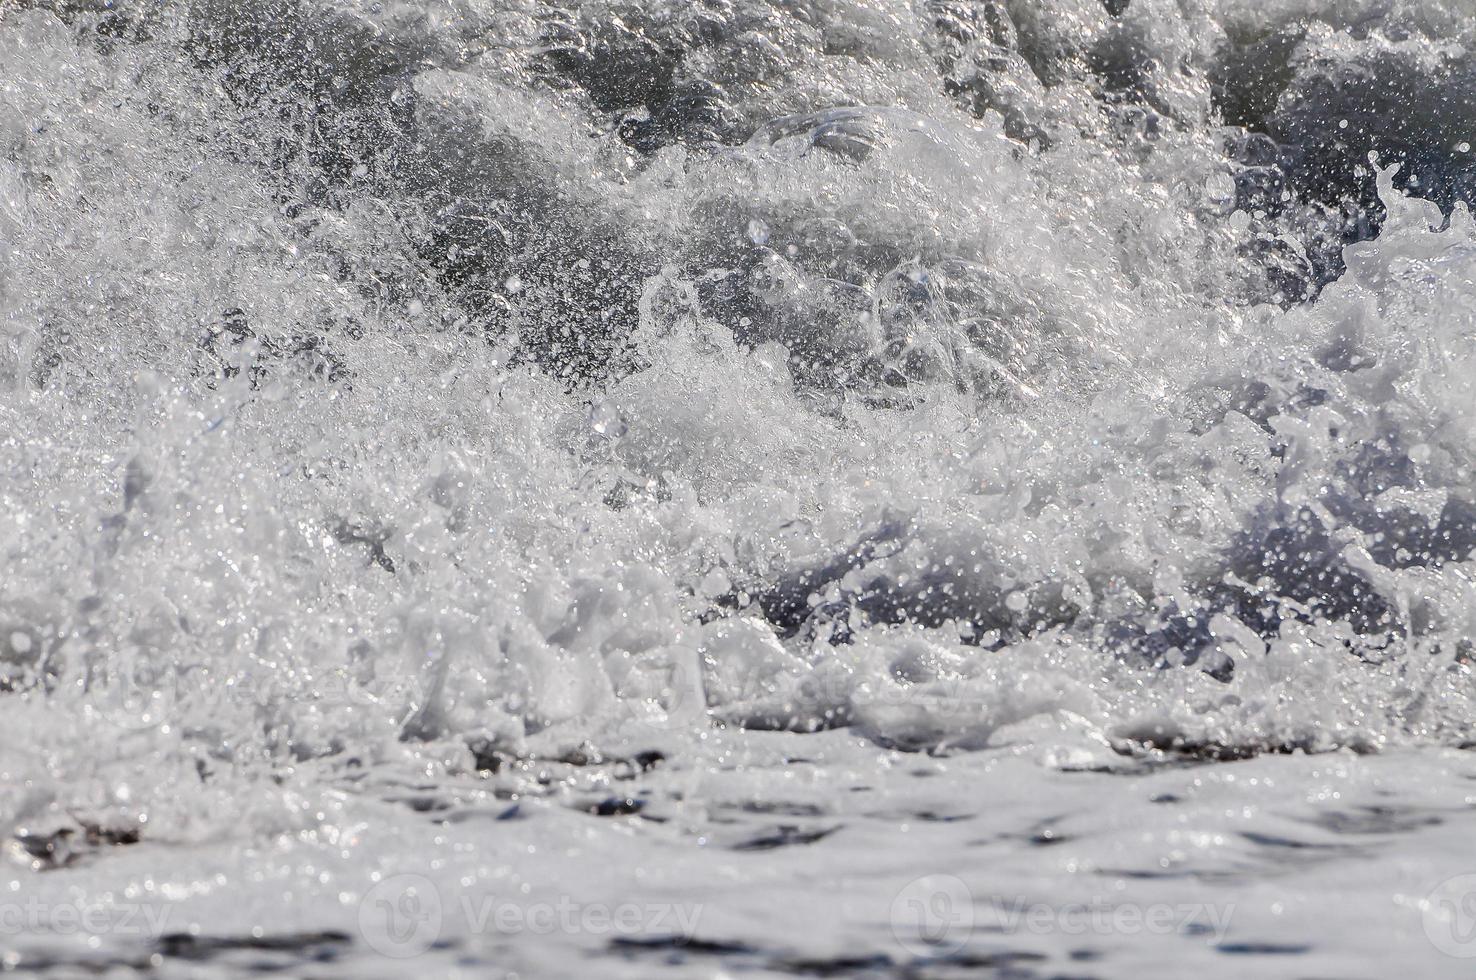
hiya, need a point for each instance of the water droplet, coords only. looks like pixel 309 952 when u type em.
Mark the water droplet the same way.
pixel 604 418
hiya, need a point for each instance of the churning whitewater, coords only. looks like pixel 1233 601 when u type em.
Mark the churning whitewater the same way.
pixel 864 488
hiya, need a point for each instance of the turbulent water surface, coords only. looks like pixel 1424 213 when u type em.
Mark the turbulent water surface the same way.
pixel 774 487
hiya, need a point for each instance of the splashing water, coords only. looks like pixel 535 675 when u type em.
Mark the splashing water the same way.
pixel 414 412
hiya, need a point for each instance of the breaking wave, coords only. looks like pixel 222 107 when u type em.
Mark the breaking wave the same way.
pixel 528 379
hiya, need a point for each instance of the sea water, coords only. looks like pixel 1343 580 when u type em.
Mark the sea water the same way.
pixel 787 487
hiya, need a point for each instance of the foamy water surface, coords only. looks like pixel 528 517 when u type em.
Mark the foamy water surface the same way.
pixel 779 487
